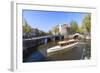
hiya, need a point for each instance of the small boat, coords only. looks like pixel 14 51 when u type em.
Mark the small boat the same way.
pixel 63 46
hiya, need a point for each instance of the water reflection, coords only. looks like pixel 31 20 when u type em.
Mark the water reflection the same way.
pixel 82 51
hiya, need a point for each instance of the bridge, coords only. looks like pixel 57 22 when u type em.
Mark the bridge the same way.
pixel 35 41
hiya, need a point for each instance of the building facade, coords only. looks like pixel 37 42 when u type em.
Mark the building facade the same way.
pixel 64 30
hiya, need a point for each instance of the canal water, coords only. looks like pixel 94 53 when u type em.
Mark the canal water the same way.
pixel 80 52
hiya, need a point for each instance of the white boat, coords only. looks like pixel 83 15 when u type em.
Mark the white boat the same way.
pixel 63 46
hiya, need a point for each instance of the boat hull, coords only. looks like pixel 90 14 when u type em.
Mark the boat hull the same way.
pixel 59 50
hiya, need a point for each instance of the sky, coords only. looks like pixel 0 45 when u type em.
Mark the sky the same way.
pixel 46 20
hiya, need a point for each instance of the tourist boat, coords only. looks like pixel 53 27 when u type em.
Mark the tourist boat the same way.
pixel 63 46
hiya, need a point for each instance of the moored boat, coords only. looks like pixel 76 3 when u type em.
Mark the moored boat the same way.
pixel 62 46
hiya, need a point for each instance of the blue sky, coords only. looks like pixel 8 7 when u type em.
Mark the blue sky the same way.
pixel 46 20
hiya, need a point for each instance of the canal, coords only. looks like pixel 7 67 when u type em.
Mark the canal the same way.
pixel 80 52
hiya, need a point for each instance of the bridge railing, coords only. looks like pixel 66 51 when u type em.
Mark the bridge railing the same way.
pixel 32 42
